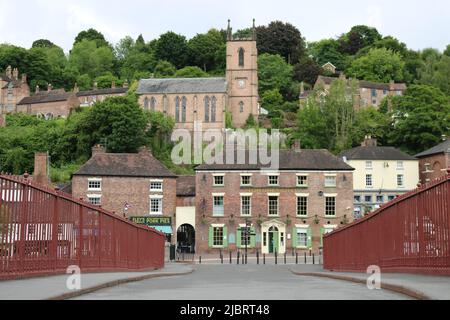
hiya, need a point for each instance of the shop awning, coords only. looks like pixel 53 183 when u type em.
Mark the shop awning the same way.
pixel 163 229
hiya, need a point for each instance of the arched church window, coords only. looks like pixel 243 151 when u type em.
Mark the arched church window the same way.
pixel 207 102
pixel 153 104
pixel 241 107
pixel 241 57
pixel 146 103
pixel 183 109
pixel 213 109
pixel 177 109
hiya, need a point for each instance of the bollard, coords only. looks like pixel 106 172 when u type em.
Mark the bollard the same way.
pixel 264 258
pixel 276 258
pixel 257 257
pixel 231 259
pixel 221 259
pixel 200 259
pixel 285 258
pixel 305 258
pixel 238 257
pixel 296 258
pixel 293 252
pixel 313 259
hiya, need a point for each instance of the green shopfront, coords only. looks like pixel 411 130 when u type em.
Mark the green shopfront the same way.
pixel 162 224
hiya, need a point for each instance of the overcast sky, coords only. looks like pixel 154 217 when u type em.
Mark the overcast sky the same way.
pixel 418 23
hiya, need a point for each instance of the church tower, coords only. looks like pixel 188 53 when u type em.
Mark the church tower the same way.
pixel 242 77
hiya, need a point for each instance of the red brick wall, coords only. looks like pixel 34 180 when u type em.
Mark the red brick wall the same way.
pixel 287 201
pixel 437 164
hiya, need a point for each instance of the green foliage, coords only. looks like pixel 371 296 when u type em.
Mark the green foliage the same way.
pixel 357 38
pixel 64 173
pixel 191 72
pixel 228 120
pixel 436 72
pixel 307 70
pixel 164 69
pixel 421 116
pixel 272 100
pixel 251 123
pixel 379 65
pixel 173 48
pixel 274 73
pixel 87 58
pixel 203 49
pixel 328 51
pixel 106 81
pixel 92 35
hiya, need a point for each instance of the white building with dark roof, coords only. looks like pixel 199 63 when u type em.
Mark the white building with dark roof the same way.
pixel 381 174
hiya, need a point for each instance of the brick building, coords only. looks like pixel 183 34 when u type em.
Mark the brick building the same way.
pixel 49 104
pixel 206 100
pixel 12 90
pixel 89 97
pixel 136 186
pixel 290 209
pixel 433 163
pixel 369 93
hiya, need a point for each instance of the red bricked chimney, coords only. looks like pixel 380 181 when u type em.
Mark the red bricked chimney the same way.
pixel 369 142
pixel 41 168
pixel 98 149
pixel 297 146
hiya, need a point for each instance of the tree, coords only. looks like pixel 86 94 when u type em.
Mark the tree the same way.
pixel 172 47
pixel 421 116
pixel 313 129
pixel 164 69
pixel 328 51
pixel 203 49
pixel 436 72
pixel 191 72
pixel 87 58
pixel 274 73
pixel 281 38
pixel 272 100
pixel 105 81
pixel 447 51
pixel 42 43
pixel 379 65
pixel 92 35
pixel 119 121
pixel 357 38
pixel 307 70
pixel 370 121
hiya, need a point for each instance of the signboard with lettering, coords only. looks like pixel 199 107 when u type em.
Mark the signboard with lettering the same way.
pixel 152 221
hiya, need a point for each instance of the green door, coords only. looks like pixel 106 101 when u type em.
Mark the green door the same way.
pixel 273 242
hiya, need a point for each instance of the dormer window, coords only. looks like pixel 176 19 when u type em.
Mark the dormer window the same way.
pixel 241 57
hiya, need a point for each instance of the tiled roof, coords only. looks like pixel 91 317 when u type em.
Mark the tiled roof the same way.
pixel 182 85
pixel 43 97
pixel 102 91
pixel 141 164
pixel 366 84
pixel 375 153
pixel 443 147
pixel 304 159
pixel 186 186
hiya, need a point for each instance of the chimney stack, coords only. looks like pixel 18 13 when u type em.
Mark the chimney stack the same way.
pixel 24 78
pixel 392 85
pixel 342 76
pixel 125 84
pixel 49 87
pixel 113 85
pixel 297 146
pixel 75 88
pixel 98 149
pixel 95 85
pixel 41 168
pixel 369 142
pixel 37 89
pixel 8 72
pixel 16 74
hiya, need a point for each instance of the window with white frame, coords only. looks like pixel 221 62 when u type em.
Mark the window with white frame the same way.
pixel 245 236
pixel 302 238
pixel 156 186
pixel 246 205
pixel 369 165
pixel 400 165
pixel 330 206
pixel 369 182
pixel 246 180
pixel 219 180
pixel 156 206
pixel 302 206
pixel 218 236
pixel 95 200
pixel 218 206
pixel 400 180
pixel 273 206
pixel 273 180
pixel 95 185
pixel 302 181
pixel 330 181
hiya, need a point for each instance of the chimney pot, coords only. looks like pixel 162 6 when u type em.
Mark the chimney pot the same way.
pixel 37 89
pixel 98 149
pixel 24 78
pixel 297 145
pixel 8 72
pixel 125 84
pixel 113 85
pixel 369 142
pixel 49 87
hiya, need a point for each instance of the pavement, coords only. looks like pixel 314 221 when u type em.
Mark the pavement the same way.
pixel 243 282
pixel 420 286
pixel 55 287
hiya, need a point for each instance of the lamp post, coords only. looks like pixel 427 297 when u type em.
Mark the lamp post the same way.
pixel 247 236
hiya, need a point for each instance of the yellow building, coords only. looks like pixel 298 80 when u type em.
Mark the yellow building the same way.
pixel 381 174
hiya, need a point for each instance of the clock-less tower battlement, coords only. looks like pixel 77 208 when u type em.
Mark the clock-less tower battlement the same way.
pixel 242 77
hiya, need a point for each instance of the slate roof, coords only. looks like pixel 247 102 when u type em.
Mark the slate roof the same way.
pixel 375 153
pixel 102 91
pixel 44 97
pixel 306 159
pixel 366 84
pixel 443 147
pixel 182 85
pixel 186 186
pixel 141 164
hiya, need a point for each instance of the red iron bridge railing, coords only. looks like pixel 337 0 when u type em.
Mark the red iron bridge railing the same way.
pixel 43 232
pixel 410 234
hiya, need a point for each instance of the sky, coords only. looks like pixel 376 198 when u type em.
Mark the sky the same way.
pixel 418 23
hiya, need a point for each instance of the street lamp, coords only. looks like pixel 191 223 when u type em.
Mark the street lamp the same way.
pixel 247 236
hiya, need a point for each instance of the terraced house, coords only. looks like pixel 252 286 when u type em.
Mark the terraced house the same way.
pixel 288 209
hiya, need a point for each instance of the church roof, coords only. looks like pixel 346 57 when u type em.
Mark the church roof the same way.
pixel 182 85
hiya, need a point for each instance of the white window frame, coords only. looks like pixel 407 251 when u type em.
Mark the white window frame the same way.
pixel 247 176
pixel 298 180
pixel 156 181
pixel 400 165
pixel 278 204
pixel 371 181
pixel 214 213
pixel 300 195
pixel 248 195
pixel 223 236
pixel 369 165
pixel 273 176
pixel 97 180
pixel 335 181
pixel 402 185
pixel 326 196
pixel 217 176
pixel 95 196
pixel 161 199
pixel 301 231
